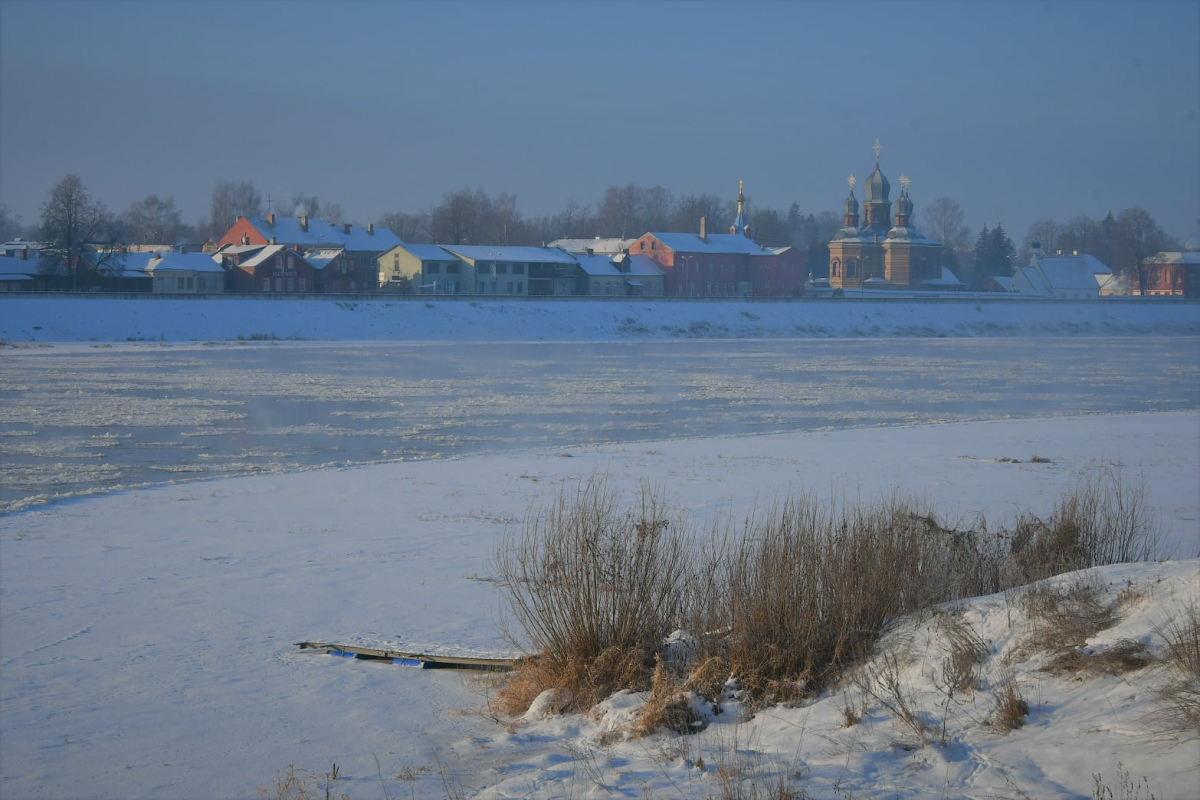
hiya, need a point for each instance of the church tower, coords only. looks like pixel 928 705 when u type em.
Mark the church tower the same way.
pixel 877 207
pixel 739 223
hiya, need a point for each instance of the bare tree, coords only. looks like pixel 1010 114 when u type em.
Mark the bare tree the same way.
pixel 153 220
pixel 691 208
pixel 79 233
pixel 944 221
pixel 457 219
pixel 411 228
pixel 1045 232
pixel 621 211
pixel 230 200
pixel 1138 236
pixel 10 225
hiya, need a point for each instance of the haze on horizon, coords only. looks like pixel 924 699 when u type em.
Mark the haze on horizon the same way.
pixel 1019 111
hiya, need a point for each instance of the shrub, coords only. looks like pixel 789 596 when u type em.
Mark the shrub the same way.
pixel 595 590
pixel 1179 699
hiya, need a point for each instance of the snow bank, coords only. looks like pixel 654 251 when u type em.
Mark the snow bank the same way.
pixel 51 319
pixel 147 646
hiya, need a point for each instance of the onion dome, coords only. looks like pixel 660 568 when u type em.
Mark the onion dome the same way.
pixel 877 187
pixel 851 205
pixel 904 206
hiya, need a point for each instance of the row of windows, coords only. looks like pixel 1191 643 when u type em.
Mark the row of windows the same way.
pixel 493 288
pixel 292 284
pixel 200 283
pixel 685 265
pixel 436 269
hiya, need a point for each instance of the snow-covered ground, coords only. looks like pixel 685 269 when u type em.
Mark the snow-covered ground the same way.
pixel 146 638
pixel 55 319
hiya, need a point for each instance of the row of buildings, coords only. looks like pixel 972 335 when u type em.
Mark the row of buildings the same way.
pixel 875 250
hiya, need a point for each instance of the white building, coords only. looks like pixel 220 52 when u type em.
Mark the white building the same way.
pixel 1073 277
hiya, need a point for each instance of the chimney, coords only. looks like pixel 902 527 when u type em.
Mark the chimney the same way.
pixel 304 223
pixel 625 250
pixel 245 238
pixel 370 229
pixel 346 228
pixel 591 252
pixel 1074 252
pixel 271 220
pixel 24 253
pixel 703 234
pixel 272 240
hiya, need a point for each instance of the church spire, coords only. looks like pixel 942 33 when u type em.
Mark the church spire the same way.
pixel 739 223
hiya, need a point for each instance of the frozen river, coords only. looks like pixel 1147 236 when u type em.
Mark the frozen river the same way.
pixel 78 419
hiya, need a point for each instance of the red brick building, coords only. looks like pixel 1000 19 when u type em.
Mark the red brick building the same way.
pixel 1171 274
pixel 724 264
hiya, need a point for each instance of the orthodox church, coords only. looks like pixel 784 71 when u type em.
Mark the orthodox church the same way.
pixel 880 252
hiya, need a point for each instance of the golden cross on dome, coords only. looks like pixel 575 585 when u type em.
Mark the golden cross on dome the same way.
pixel 877 148
pixel 904 182
pixel 852 180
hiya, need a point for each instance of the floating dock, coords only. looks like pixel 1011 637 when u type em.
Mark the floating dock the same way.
pixel 420 660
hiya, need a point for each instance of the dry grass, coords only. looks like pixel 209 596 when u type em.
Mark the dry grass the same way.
pixel 960 667
pixel 1011 708
pixel 667 707
pixel 1125 655
pixel 595 590
pixel 1179 699
pixel 788 600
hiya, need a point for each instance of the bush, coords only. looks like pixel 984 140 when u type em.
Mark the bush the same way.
pixel 791 600
pixel 595 590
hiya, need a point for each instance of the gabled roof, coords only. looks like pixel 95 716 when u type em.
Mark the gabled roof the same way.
pixel 14 266
pixel 948 279
pixel 429 252
pixel 264 254
pixel 237 249
pixel 597 245
pixel 1034 279
pixel 1072 272
pixel 536 255
pixel 320 258
pixel 287 230
pixel 715 243
pixel 602 265
pixel 184 262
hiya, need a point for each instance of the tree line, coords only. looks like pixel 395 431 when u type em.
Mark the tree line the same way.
pixel 72 218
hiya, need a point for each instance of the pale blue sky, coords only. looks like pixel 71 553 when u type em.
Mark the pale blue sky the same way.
pixel 1019 110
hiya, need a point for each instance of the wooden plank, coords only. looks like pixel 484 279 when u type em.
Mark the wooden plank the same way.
pixel 424 660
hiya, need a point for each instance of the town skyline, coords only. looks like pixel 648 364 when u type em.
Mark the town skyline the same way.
pixel 1020 112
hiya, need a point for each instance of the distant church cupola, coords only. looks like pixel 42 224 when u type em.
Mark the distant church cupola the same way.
pixel 875 195
pixel 739 223
pixel 904 205
pixel 850 220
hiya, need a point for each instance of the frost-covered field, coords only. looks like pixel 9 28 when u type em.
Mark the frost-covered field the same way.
pixel 146 645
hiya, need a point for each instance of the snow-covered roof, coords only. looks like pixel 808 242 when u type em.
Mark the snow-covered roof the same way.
pixel 429 252
pixel 715 243
pixel 1033 279
pixel 184 262
pixel 1174 258
pixel 602 264
pixel 19 266
pixel 15 276
pixel 264 254
pixel 948 279
pixel 287 230
pixel 238 249
pixel 1003 281
pixel 1072 272
pixel 597 245
pixel 536 255
pixel 319 258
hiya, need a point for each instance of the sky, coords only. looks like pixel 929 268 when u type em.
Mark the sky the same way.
pixel 1020 111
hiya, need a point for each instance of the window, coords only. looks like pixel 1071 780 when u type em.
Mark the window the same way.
pixel 352 286
pixel 518 269
pixel 279 284
pixel 452 269
pixel 520 287
pixel 191 283
pixel 502 269
pixel 432 269
pixel 178 284
pixel 159 283
pixel 479 287
pixel 291 284
pixel 708 286
pixel 266 284
pixel 302 284
pixel 510 287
